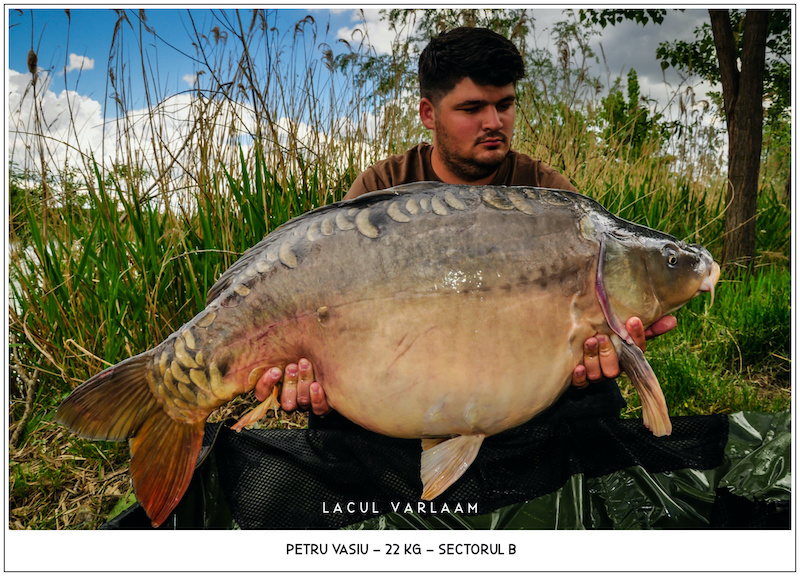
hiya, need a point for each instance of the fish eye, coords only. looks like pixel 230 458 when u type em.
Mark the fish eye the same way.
pixel 672 259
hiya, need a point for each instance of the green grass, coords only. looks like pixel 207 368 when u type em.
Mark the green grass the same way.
pixel 730 357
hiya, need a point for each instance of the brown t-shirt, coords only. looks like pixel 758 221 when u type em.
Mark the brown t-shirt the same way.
pixel 415 166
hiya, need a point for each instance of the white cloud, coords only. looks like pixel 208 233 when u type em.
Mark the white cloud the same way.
pixel 369 28
pixel 190 79
pixel 163 140
pixel 77 62
pixel 60 117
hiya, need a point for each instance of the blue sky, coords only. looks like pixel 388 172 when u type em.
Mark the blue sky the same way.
pixel 75 50
pixel 75 55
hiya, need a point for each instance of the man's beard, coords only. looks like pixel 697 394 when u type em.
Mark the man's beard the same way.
pixel 467 168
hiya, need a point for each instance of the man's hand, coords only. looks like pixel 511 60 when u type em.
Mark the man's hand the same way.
pixel 299 388
pixel 599 357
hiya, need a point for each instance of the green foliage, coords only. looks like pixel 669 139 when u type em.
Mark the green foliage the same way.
pixel 513 24
pixel 20 195
pixel 776 158
pixel 699 57
pixel 606 17
pixel 123 504
pixel 135 270
pixel 627 122
pixel 26 187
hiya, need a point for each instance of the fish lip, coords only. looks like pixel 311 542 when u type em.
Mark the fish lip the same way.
pixel 710 281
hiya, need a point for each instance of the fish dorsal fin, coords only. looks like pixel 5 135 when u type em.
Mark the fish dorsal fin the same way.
pixel 446 462
pixel 654 406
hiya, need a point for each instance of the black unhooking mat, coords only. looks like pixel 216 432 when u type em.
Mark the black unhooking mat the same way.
pixel 578 465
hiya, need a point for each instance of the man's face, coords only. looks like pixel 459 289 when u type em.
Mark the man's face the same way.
pixel 473 126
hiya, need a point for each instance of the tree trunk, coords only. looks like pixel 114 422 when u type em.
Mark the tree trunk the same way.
pixel 742 93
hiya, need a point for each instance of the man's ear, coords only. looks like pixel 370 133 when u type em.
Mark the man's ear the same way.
pixel 427 113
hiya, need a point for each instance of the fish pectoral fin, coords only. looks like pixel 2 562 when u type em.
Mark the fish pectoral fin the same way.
pixel 654 406
pixel 446 462
pixel 257 413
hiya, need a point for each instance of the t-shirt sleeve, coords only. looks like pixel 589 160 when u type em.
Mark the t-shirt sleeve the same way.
pixel 550 178
pixel 367 181
pixel 412 166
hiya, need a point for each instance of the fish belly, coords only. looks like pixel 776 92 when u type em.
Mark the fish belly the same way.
pixel 432 366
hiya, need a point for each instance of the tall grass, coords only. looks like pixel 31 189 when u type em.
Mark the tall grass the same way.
pixel 135 238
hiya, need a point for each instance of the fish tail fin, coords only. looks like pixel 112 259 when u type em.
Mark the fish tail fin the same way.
pixel 117 404
pixel 111 405
pixel 654 407
pixel 163 457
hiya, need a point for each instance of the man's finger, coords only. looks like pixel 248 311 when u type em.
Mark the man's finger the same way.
pixel 267 382
pixel 305 376
pixel 662 325
pixel 319 403
pixel 636 331
pixel 579 376
pixel 609 363
pixel 289 392
pixel 591 359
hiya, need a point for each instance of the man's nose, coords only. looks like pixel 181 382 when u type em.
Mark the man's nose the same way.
pixel 492 119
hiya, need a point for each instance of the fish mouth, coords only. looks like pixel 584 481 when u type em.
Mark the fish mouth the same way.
pixel 710 281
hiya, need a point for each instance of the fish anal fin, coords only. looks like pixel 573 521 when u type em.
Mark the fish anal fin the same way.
pixel 446 462
pixel 163 457
pixel 257 413
pixel 428 443
pixel 654 407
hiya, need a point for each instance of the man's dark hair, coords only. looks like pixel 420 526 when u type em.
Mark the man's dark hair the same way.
pixel 487 58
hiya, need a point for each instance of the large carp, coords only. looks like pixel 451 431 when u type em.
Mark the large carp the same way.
pixel 427 310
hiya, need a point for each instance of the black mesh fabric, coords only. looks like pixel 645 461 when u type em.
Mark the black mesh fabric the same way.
pixel 296 478
pixel 287 479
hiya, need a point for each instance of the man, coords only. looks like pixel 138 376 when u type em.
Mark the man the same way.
pixel 467 82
